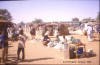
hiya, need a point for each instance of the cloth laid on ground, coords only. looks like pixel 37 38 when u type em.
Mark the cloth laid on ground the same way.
pixel 59 46
pixel 56 42
pixel 62 44
pixel 61 38
pixel 76 32
pixel 50 44
pixel 75 41
pixel 68 38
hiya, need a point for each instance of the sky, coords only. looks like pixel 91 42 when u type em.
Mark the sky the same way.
pixel 51 10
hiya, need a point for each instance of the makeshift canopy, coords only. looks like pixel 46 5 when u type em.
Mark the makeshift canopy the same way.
pixel 4 24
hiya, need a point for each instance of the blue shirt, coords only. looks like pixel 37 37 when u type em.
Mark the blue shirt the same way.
pixel 2 40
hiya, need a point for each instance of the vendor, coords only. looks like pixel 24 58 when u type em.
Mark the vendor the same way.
pixel 46 39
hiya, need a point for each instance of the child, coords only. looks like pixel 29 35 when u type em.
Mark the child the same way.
pixel 21 44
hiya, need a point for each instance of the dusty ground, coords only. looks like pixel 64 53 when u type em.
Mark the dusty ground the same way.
pixel 36 53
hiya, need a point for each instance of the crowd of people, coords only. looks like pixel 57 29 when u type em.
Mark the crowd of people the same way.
pixel 10 34
pixel 89 29
pixel 18 34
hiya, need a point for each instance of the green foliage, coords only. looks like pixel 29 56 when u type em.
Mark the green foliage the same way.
pixel 21 23
pixel 75 19
pixel 5 15
pixel 37 21
pixel 88 20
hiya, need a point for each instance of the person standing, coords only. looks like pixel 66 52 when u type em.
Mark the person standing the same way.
pixel 1 46
pixel 85 29
pixel 32 32
pixel 21 44
pixel 90 32
pixel 4 44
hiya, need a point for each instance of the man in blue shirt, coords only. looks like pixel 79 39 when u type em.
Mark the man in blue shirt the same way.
pixel 2 39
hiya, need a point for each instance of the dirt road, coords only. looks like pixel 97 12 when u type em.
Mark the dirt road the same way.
pixel 36 53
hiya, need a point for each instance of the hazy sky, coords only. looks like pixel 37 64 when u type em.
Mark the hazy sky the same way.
pixel 51 10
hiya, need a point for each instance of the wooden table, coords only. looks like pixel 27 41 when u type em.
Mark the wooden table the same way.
pixel 77 46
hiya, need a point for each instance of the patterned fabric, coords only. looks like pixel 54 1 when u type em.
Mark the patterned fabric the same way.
pixel 21 42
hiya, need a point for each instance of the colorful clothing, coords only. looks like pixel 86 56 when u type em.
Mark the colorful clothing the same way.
pixel 21 46
pixel 90 32
pixel 2 40
pixel 21 42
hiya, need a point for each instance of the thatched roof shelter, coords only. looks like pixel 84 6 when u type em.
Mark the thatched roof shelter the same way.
pixel 4 24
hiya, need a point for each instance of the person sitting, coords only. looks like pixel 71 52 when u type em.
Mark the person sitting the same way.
pixel 46 40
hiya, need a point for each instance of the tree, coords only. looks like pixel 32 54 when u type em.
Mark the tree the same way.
pixel 21 23
pixel 5 15
pixel 88 20
pixel 37 21
pixel 75 19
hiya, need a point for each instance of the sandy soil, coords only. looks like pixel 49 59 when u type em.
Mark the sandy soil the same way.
pixel 36 53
